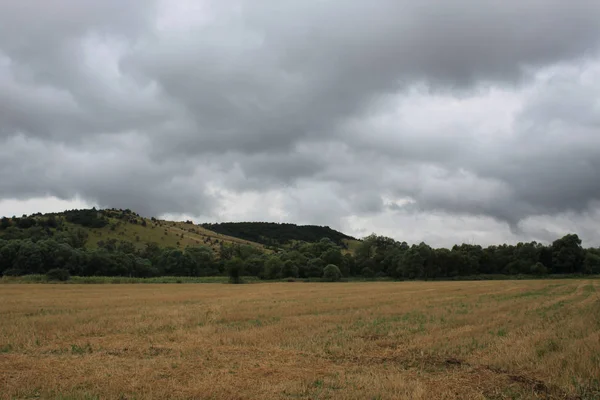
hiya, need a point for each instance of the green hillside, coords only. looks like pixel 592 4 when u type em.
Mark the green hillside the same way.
pixel 277 234
pixel 102 226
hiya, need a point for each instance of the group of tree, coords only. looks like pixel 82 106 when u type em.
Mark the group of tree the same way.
pixel 39 245
pixel 383 256
pixel 65 250
pixel 275 234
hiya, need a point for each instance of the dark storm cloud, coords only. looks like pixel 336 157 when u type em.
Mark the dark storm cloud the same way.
pixel 281 71
pixel 148 105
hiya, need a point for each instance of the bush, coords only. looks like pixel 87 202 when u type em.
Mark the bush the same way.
pixel 332 273
pixel 289 270
pixel 367 272
pixel 58 274
pixel 235 269
pixel 538 269
pixel 13 272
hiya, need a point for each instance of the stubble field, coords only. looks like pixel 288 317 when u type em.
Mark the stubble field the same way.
pixel 380 340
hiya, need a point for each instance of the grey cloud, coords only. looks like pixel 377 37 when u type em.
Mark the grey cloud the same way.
pixel 123 177
pixel 543 163
pixel 281 71
pixel 315 100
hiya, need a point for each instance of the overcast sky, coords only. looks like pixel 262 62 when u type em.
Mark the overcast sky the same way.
pixel 440 121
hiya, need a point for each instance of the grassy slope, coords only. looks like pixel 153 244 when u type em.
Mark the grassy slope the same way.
pixel 165 233
pixel 352 244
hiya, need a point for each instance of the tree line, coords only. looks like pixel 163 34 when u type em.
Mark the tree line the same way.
pixel 275 234
pixel 42 244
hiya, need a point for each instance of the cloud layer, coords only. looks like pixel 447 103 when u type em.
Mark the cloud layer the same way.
pixel 442 122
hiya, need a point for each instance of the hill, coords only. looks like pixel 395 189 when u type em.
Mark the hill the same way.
pixel 275 234
pixel 102 226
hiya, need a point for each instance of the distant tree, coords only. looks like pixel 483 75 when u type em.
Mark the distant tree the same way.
pixel 538 269
pixel 4 223
pixel 12 272
pixel 235 269
pixel 204 260
pixel 76 238
pixel 58 274
pixel 126 247
pixel 88 218
pixel 314 268
pixel 151 252
pixel 332 256
pixel 51 221
pixel 567 255
pixel 348 266
pixel 255 265
pixel 25 222
pixel 8 254
pixel 418 262
pixel 367 272
pixel 332 273
pixel 273 267
pixel 29 258
pixel 591 261
pixel 289 269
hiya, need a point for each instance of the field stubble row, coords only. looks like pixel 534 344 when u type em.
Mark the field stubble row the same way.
pixel 491 339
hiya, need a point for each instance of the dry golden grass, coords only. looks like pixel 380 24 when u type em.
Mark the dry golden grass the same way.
pixel 417 340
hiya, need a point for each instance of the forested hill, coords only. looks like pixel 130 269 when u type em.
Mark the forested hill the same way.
pixel 271 233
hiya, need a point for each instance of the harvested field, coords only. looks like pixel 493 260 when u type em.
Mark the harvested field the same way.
pixel 380 340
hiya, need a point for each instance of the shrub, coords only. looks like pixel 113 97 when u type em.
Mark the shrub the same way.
pixel 538 269
pixel 289 270
pixel 235 269
pixel 58 274
pixel 332 273
pixel 367 272
pixel 13 272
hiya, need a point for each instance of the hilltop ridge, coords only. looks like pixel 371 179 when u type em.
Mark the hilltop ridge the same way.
pixel 272 233
pixel 102 225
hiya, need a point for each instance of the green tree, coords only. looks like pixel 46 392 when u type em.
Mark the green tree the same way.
pixel 142 268
pixel 29 258
pixel 8 254
pixel 235 269
pixel 538 269
pixel 289 269
pixel 273 267
pixel 332 273
pixel 4 223
pixel 255 265
pixel 203 260
pixel 314 268
pixel 126 247
pixel 591 261
pixel 333 256
pixel 348 266
pixel 567 255
pixel 58 274
pixel 418 262
pixel 367 272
